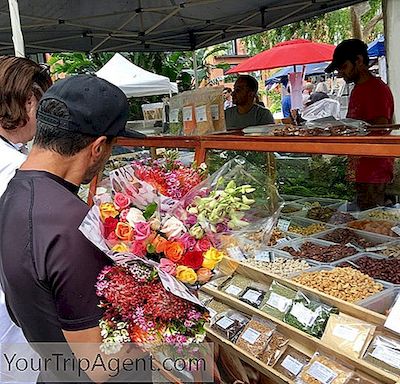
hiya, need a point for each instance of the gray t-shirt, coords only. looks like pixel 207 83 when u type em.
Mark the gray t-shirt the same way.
pixel 256 116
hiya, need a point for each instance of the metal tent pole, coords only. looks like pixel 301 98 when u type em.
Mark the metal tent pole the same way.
pixel 196 75
pixel 17 37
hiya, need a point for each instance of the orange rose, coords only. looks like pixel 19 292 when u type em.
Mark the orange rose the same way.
pixel 160 244
pixel 203 275
pixel 124 231
pixel 174 251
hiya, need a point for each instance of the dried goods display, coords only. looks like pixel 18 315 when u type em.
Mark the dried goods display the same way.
pixel 307 230
pixel 337 130
pixel 291 208
pixel 381 269
pixel 383 214
pixel 322 253
pixel 320 213
pixel 216 307
pixel 322 369
pixel 344 283
pixel 275 347
pixel 384 353
pixel 278 300
pixel 254 295
pixel 280 266
pixel 348 334
pixel 276 235
pixel 392 250
pixel 291 362
pixel 229 324
pixel 236 285
pixel 383 227
pixel 308 315
pixel 255 335
pixel 346 235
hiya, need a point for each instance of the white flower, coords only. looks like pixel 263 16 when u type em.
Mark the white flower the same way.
pixel 134 216
pixel 155 224
pixel 173 227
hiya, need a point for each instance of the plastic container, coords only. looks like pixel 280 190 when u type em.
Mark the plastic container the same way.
pixel 369 236
pixel 389 224
pixel 304 222
pixel 387 253
pixel 290 209
pixel 369 214
pixel 324 202
pixel 297 243
pixel 381 302
pixel 291 198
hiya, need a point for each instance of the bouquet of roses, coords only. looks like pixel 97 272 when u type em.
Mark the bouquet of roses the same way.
pixel 169 176
pixel 139 309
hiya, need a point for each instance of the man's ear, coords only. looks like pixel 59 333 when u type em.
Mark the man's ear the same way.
pixel 98 147
pixel 359 60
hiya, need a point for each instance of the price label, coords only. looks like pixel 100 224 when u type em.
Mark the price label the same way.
pixel 252 296
pixel 233 290
pixel 279 302
pixel 174 115
pixel 251 335
pixel 225 322
pixel 387 355
pixel 265 256
pixel 377 248
pixel 303 314
pixel 283 224
pixel 392 321
pixel 187 113
pixel 201 114
pixel 235 253
pixel 321 373
pixel 292 365
pixel 283 240
pixel 396 230
pixel 345 332
pixel 214 111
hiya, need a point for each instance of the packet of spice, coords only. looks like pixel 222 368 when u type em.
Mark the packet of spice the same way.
pixel 229 324
pixel 384 353
pixel 309 315
pixel 255 335
pixel 254 294
pixel 291 362
pixel 278 300
pixel 348 334
pixel 215 307
pixel 274 349
pixel 236 285
pixel 324 370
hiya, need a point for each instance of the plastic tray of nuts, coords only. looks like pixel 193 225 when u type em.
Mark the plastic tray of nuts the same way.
pixel 381 213
pixel 278 262
pixel 290 209
pixel 379 240
pixel 303 227
pixel 386 285
pixel 297 243
pixel 390 274
pixel 391 249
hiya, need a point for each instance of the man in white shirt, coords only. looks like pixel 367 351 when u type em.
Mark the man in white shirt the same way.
pixel 22 84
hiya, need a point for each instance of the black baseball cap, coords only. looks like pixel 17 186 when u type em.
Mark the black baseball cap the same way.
pixel 347 50
pixel 96 107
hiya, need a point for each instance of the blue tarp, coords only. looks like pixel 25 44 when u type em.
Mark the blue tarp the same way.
pixel 377 47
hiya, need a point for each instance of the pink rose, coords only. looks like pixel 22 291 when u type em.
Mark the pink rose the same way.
pixel 112 239
pixel 188 241
pixel 121 201
pixel 142 230
pixel 203 244
pixel 123 215
pixel 138 248
pixel 168 266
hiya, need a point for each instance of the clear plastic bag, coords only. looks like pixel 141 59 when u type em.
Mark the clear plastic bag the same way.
pixel 291 362
pixel 278 300
pixel 276 346
pixel 330 126
pixel 324 370
pixel 309 315
pixel 348 334
pixel 254 294
pixel 230 324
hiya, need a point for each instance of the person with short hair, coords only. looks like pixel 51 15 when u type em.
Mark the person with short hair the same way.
pixel 227 93
pixel 246 112
pixel 372 101
pixel 22 84
pixel 49 274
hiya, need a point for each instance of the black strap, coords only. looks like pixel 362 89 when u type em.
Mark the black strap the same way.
pixel 8 142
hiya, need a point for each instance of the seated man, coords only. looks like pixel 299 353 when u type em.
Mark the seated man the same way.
pixel 246 112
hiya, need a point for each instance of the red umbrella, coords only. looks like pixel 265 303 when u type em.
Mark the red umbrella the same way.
pixel 293 52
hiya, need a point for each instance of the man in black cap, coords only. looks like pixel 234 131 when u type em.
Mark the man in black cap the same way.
pixel 372 101
pixel 48 269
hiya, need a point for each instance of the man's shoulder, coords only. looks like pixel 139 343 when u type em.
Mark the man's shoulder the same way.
pixel 231 110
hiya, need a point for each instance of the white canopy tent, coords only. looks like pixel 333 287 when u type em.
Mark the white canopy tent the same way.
pixel 133 80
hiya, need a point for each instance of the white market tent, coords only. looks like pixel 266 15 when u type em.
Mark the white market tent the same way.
pixel 133 80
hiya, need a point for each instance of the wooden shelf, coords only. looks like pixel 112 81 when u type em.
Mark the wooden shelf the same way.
pixel 299 339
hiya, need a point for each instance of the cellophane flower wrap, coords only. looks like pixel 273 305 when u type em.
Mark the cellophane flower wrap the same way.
pixel 237 199
pixel 139 309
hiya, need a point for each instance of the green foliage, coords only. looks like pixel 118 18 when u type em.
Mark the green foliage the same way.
pixel 274 100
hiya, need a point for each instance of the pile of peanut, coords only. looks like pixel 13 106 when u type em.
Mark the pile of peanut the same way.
pixel 280 266
pixel 344 283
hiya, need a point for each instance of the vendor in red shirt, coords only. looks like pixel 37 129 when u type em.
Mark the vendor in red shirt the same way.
pixel 372 101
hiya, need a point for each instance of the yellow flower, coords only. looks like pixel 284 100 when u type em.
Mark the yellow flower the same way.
pixel 185 274
pixel 120 248
pixel 212 257
pixel 108 210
